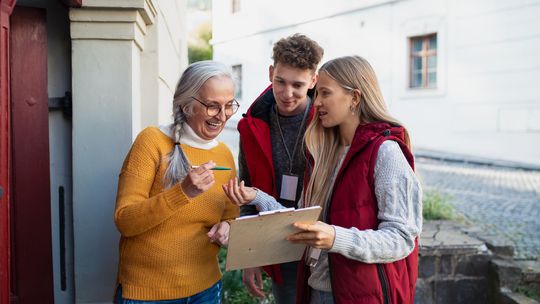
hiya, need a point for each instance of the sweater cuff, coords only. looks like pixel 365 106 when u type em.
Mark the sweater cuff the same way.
pixel 263 201
pixel 175 197
pixel 342 240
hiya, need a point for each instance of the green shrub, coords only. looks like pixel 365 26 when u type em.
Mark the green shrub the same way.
pixel 234 291
pixel 528 292
pixel 437 207
pixel 199 47
pixel 199 53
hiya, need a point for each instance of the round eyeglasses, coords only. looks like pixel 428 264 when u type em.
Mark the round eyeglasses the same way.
pixel 213 109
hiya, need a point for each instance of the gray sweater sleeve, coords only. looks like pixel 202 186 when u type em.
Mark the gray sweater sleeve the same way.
pixel 399 198
pixel 265 202
pixel 244 176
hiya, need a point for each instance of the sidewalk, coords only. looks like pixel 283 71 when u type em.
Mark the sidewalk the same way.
pixel 503 201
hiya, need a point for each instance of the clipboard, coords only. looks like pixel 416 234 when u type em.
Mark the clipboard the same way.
pixel 259 240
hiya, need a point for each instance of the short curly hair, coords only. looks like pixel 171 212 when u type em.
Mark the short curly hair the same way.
pixel 298 51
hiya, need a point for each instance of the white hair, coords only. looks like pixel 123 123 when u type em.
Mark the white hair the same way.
pixel 188 86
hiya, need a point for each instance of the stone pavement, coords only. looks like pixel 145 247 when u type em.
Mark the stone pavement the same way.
pixel 504 202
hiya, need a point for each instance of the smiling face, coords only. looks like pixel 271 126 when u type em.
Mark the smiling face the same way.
pixel 333 104
pixel 290 86
pixel 218 90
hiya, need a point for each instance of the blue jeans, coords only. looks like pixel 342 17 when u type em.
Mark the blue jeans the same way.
pixel 211 295
pixel 321 297
pixel 286 293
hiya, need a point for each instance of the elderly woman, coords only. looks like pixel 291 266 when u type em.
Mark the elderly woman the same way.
pixel 170 209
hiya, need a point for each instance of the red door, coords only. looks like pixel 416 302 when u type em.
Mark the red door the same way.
pixel 5 12
pixel 31 255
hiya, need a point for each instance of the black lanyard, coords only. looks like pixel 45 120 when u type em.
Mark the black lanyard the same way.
pixel 291 157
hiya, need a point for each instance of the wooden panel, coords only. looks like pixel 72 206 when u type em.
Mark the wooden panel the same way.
pixel 72 3
pixel 260 240
pixel 4 155
pixel 6 8
pixel 30 197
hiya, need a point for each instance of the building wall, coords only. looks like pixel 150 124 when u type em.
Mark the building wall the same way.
pixel 486 103
pixel 126 57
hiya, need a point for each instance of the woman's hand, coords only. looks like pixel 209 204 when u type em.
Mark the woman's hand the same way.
pixel 318 235
pixel 219 233
pixel 199 180
pixel 238 193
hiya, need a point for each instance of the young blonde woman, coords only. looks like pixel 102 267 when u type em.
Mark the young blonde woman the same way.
pixel 361 172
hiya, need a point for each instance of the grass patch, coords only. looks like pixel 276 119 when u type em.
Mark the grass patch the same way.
pixel 528 292
pixel 234 291
pixel 436 206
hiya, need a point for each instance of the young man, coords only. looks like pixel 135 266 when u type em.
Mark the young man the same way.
pixel 272 157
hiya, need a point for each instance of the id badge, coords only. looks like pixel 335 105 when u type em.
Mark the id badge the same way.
pixel 289 183
pixel 313 256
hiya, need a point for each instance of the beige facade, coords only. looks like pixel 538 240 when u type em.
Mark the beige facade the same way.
pixel 485 103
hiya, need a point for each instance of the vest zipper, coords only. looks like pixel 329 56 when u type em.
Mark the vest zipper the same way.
pixel 384 284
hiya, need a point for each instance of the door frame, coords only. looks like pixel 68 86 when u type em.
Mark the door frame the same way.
pixel 6 8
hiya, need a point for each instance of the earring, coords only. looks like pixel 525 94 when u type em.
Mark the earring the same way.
pixel 352 108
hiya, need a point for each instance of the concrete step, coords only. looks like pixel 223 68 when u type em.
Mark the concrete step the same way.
pixel 510 297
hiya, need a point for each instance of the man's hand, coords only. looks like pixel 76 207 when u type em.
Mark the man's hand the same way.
pixel 253 281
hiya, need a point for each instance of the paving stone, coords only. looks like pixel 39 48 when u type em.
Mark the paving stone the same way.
pixel 424 292
pixel 475 265
pixel 464 290
pixel 503 202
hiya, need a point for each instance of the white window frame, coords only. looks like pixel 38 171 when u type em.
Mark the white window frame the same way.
pixel 416 28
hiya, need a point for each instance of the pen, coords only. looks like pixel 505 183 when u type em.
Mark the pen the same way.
pixel 215 168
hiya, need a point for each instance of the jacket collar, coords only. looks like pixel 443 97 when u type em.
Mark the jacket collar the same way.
pixel 262 106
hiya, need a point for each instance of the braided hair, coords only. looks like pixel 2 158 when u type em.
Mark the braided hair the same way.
pixel 188 86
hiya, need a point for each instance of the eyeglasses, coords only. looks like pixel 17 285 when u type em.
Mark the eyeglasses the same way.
pixel 214 109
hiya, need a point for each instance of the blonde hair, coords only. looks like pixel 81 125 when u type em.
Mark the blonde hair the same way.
pixel 352 73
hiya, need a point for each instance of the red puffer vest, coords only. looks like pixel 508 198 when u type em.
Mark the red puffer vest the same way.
pixel 353 204
pixel 254 130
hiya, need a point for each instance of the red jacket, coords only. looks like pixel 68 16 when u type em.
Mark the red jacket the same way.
pixel 353 204
pixel 256 149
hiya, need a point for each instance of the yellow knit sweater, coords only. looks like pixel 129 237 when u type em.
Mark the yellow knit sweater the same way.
pixel 164 250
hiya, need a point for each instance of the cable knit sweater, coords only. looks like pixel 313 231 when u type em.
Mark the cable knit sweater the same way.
pixel 164 250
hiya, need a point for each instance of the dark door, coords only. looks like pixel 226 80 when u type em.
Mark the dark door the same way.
pixel 6 8
pixel 31 263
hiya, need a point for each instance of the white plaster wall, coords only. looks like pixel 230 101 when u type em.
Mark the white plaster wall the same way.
pixel 172 53
pixel 254 50
pixel 149 87
pixel 105 118
pixel 120 86
pixel 163 58
pixel 486 103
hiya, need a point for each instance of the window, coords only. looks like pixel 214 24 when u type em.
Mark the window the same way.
pixel 235 6
pixel 423 62
pixel 237 77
